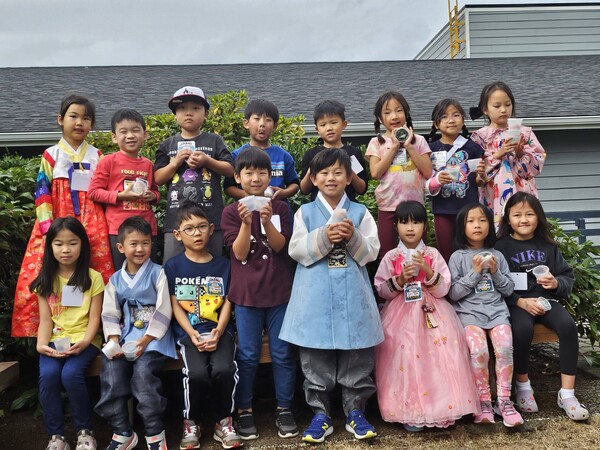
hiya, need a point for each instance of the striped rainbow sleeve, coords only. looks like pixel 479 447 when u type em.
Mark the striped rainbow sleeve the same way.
pixel 43 193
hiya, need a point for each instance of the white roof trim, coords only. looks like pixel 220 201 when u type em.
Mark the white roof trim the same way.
pixel 48 138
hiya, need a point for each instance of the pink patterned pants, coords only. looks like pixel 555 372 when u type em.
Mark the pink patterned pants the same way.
pixel 501 337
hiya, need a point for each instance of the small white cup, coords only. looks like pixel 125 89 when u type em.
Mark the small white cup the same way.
pixel 205 336
pixel 269 192
pixel 409 254
pixel 453 171
pixel 338 215
pixel 514 135
pixel 62 345
pixel 540 271
pixel 487 257
pixel 544 303
pixel 111 349
pixel 130 349
pixel 472 163
pixel 514 123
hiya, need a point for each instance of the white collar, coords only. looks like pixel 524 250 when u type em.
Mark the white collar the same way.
pixel 132 281
pixel 328 207
pixel 404 249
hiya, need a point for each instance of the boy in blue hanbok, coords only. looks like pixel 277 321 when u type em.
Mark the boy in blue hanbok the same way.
pixel 332 315
pixel 136 308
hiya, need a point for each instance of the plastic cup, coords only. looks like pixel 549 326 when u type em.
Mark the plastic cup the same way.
pixel 62 345
pixel 338 215
pixel 409 254
pixel 259 202
pixel 487 257
pixel 540 271
pixel 514 135
pixel 453 171
pixel 269 192
pixel 545 303
pixel 205 336
pixel 514 123
pixel 111 349
pixel 472 163
pixel 130 350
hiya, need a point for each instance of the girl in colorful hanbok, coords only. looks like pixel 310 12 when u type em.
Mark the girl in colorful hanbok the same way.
pixel 423 370
pixel 511 163
pixel 60 191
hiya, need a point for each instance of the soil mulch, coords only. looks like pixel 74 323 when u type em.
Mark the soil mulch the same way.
pixel 548 429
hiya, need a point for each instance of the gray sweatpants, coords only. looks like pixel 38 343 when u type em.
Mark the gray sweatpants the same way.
pixel 350 368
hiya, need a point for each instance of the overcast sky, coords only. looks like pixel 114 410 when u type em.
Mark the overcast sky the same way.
pixel 141 32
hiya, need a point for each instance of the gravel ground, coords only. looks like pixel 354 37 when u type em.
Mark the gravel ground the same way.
pixel 547 429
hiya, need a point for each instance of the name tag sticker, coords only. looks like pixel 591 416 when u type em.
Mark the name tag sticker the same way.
pixel 71 296
pixel 520 280
pixel 80 180
pixel 275 220
pixel 400 158
pixel 186 145
pixel 356 166
pixel 413 292
pixel 438 160
pixel 485 284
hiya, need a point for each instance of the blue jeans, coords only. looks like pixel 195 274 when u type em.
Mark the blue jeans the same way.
pixel 250 323
pixel 68 373
pixel 120 379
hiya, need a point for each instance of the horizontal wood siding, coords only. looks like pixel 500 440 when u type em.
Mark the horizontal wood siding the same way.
pixel 570 180
pixel 516 33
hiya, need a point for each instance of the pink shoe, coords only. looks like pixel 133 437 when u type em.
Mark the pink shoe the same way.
pixel 526 401
pixel 575 410
pixel 510 416
pixel 487 414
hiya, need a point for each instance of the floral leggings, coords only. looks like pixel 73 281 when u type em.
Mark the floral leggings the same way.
pixel 501 337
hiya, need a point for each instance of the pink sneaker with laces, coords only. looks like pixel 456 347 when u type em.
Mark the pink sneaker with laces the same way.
pixel 487 414
pixel 510 416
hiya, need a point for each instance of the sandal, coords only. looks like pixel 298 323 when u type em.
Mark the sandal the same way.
pixel 525 401
pixel 575 410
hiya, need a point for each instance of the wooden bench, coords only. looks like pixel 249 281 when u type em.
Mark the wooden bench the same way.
pixel 177 364
pixel 543 334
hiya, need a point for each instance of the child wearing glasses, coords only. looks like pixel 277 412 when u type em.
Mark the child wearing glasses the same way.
pixel 198 285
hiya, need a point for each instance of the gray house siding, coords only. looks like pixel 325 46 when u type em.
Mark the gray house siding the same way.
pixel 517 31
pixel 534 33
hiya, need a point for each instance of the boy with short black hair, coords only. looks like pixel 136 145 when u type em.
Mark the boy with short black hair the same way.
pixel 124 180
pixel 198 284
pixel 330 122
pixel 332 315
pixel 260 119
pixel 192 163
pixel 136 308
pixel 257 237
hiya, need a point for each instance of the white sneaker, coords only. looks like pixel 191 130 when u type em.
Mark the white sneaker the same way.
pixel 120 442
pixel 190 439
pixel 157 442
pixel 85 440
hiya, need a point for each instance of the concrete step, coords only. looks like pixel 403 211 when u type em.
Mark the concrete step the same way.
pixel 9 374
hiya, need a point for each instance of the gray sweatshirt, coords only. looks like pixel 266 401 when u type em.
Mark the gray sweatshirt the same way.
pixel 484 309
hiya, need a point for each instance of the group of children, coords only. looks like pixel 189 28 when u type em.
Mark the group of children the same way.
pixel 429 355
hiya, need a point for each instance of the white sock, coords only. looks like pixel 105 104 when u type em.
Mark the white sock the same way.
pixel 524 386
pixel 567 393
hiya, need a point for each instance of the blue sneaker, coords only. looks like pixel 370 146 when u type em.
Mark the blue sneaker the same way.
pixel 320 427
pixel 358 425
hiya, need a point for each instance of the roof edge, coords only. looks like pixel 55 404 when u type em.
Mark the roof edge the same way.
pixel 47 138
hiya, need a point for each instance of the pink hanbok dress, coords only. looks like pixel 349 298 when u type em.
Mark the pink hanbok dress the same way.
pixel 423 372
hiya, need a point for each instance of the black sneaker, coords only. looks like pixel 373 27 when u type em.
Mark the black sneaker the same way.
pixel 285 423
pixel 246 427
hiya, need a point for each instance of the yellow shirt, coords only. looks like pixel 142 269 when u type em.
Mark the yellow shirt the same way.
pixel 72 321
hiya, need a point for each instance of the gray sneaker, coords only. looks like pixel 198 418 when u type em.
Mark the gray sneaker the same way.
pixel 246 427
pixel 226 435
pixel 285 423
pixel 85 440
pixel 190 439
pixel 57 442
